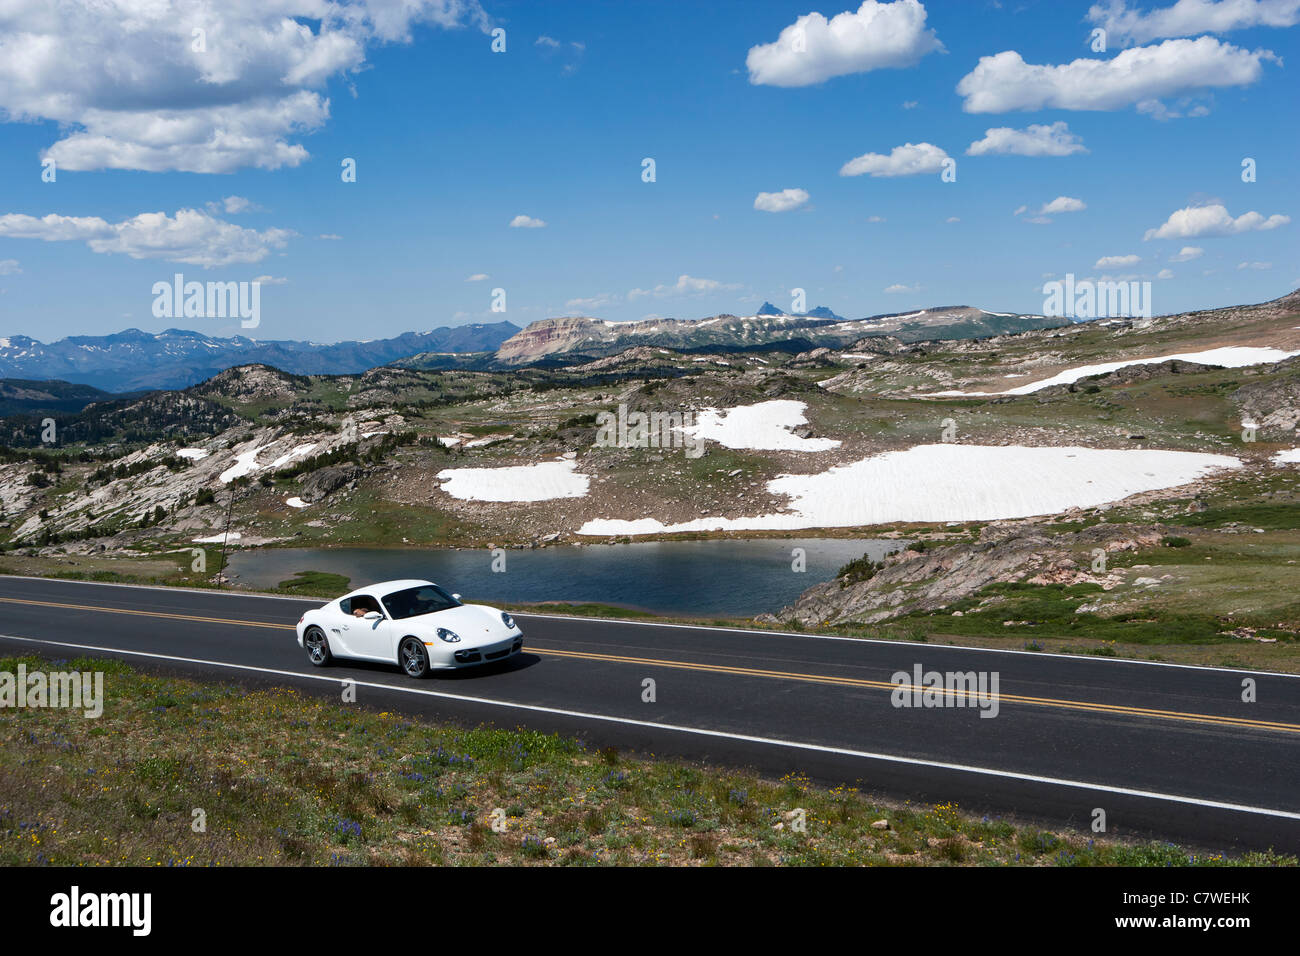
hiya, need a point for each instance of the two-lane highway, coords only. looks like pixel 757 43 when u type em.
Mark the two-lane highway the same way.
pixel 1164 750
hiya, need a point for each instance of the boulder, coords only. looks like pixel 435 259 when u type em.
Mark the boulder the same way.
pixel 323 482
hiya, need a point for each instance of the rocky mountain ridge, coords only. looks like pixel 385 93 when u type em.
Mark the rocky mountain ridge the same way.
pixel 588 338
pixel 133 360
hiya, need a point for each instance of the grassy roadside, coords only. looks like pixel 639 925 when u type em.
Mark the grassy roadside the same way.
pixel 286 779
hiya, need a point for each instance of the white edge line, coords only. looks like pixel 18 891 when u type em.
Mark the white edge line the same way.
pixel 163 587
pixel 748 738
pixel 695 627
pixel 944 647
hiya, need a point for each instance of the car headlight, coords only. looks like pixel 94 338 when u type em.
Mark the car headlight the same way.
pixel 507 620
pixel 451 637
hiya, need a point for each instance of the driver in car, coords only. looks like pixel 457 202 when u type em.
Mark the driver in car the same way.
pixel 363 605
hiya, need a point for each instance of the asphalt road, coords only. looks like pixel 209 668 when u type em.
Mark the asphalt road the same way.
pixel 1164 750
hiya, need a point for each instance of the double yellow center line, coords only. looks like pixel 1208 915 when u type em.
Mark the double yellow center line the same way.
pixel 1114 709
pixel 163 614
pixel 909 687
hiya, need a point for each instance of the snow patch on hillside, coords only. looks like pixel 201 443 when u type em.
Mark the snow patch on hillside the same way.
pixel 541 482
pixel 1233 356
pixel 952 483
pixel 245 464
pixel 765 426
pixel 300 452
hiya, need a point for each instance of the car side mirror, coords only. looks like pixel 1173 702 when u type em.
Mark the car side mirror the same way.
pixel 373 616
pixel 456 597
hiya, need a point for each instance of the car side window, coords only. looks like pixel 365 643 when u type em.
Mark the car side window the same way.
pixel 396 606
pixel 346 605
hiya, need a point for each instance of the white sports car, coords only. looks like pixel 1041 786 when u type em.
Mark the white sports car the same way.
pixel 414 623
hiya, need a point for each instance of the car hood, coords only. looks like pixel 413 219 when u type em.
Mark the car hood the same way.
pixel 474 623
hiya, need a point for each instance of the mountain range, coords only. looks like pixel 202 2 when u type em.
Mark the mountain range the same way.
pixel 580 337
pixel 821 312
pixel 133 360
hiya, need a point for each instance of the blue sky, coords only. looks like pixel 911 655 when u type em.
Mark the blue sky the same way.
pixel 453 142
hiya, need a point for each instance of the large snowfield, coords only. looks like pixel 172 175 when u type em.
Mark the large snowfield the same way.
pixel 540 482
pixel 1236 356
pixel 950 482
pixel 764 426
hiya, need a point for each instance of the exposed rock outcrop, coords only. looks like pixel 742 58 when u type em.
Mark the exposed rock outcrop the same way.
pixel 323 482
pixel 1128 375
pixel 934 579
pixel 1274 406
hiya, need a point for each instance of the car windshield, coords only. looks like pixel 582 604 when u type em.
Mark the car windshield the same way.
pixel 412 602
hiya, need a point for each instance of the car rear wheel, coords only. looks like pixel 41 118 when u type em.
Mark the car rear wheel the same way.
pixel 413 658
pixel 318 647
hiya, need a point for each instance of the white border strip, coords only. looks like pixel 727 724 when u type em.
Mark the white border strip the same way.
pixel 694 627
pixel 747 738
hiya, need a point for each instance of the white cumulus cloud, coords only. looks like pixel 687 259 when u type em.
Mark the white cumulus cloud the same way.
pixel 783 201
pixel 191 236
pixel 1191 17
pixel 1054 140
pixel 813 49
pixel 1214 220
pixel 1115 262
pixel 131 86
pixel 1004 81
pixel 906 160
pixel 526 222
pixel 234 205
pixel 1187 254
pixel 1063 204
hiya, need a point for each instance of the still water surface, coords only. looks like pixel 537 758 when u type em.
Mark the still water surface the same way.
pixel 695 578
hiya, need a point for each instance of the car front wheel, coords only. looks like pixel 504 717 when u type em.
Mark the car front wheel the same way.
pixel 318 647
pixel 413 658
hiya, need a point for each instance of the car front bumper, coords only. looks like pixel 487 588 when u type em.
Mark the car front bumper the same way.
pixel 450 657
